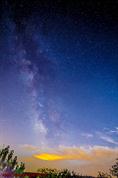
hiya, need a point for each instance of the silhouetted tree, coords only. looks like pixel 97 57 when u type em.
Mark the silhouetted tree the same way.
pixel 114 169
pixel 10 155
pixel 5 152
pixel 7 162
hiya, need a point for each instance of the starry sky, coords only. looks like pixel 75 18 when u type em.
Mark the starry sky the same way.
pixel 59 82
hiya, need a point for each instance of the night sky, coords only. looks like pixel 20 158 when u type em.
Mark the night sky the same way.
pixel 59 81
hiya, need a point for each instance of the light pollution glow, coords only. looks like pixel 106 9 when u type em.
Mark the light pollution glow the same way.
pixel 85 160
pixel 90 154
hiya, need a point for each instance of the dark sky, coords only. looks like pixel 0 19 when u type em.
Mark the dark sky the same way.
pixel 59 73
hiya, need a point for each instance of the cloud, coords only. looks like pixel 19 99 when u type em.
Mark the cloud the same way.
pixel 77 153
pixel 108 139
pixel 28 147
pixel 114 131
pixel 108 136
pixel 87 135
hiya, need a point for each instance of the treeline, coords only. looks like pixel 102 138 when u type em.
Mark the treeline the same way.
pixel 54 173
pixel 65 173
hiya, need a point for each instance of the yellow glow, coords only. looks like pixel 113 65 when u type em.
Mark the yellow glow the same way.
pixel 48 157
pixel 53 157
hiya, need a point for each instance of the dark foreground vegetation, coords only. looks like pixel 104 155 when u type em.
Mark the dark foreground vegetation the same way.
pixel 10 168
pixel 54 173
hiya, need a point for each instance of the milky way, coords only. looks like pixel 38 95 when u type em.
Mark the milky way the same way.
pixel 58 68
pixel 35 74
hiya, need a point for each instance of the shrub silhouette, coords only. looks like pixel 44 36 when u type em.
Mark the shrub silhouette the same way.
pixel 8 162
pixel 65 173
pixel 103 175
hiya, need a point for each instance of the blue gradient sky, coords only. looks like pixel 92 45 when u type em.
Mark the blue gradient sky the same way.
pixel 58 75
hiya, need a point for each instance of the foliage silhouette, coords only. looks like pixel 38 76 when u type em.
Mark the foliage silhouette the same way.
pixel 114 170
pixel 65 173
pixel 8 162
pixel 103 175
